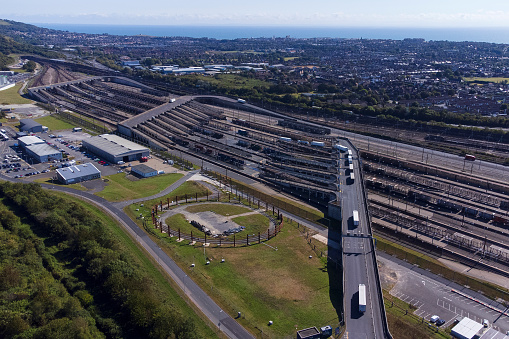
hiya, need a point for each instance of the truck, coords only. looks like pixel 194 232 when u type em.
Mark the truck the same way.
pixel 469 157
pixel 356 218
pixel 352 176
pixel 144 159
pixel 285 139
pixel 242 132
pixel 241 101
pixel 362 298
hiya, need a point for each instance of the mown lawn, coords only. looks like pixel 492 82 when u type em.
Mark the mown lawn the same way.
pixel 254 223
pixel 10 96
pixel 178 221
pixel 263 282
pixel 191 188
pixel 53 123
pixel 50 181
pixel 120 188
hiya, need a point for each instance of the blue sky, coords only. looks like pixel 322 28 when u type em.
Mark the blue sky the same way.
pixel 340 13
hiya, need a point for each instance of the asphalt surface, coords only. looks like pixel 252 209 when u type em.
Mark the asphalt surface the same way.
pixel 433 295
pixel 213 312
pixel 358 260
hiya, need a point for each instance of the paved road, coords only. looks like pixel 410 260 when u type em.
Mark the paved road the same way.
pixel 432 294
pixel 358 259
pixel 215 314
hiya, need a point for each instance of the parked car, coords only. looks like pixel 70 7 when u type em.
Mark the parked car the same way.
pixel 434 319
pixel 440 322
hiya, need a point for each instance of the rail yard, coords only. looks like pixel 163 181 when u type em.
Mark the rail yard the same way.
pixel 451 203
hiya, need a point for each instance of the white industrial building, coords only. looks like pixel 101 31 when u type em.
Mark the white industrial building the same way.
pixel 144 171
pixel 113 148
pixel 466 329
pixel 38 149
pixel 78 173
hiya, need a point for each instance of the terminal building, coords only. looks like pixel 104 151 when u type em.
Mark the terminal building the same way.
pixel 38 149
pixel 77 173
pixel 113 148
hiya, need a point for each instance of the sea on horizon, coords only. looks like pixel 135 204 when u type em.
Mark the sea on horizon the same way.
pixel 494 35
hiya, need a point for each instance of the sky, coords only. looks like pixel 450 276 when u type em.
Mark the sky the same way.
pixel 332 13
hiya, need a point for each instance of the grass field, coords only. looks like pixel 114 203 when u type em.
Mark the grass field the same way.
pixel 10 96
pixel 178 221
pixel 254 223
pixel 53 123
pixel 50 181
pixel 191 188
pixel 235 81
pixel 263 283
pixel 479 79
pixel 222 209
pixel 163 284
pixel 120 188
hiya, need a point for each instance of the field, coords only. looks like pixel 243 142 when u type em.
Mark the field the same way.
pixel 485 80
pixel 53 123
pixel 191 188
pixel 120 188
pixel 262 282
pixel 56 183
pixel 10 96
pixel 235 81
pixel 254 223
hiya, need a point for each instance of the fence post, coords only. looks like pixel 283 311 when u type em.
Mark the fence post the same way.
pixel 205 239
pixel 191 236
pixel 233 239
pixel 186 198
pixel 168 201
pixel 176 200
pixel 268 234
pixel 247 239
pixel 259 239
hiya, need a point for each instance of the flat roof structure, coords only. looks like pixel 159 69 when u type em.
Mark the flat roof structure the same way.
pixel 144 170
pixel 30 140
pixel 493 334
pixel 466 329
pixel 78 173
pixel 114 146
pixel 43 150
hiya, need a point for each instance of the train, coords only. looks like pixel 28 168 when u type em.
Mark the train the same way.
pixel 301 126
pixel 422 197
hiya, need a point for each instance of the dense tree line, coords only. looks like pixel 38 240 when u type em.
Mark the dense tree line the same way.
pixel 63 275
pixel 10 46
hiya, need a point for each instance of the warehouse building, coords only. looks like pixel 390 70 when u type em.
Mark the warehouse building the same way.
pixel 113 148
pixel 78 173
pixel 30 126
pixel 466 329
pixel 43 152
pixel 144 171
pixel 38 149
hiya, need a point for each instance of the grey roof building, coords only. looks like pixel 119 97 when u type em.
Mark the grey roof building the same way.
pixel 78 173
pixel 114 148
pixel 28 125
pixel 43 152
pixel 144 170
pixel 30 140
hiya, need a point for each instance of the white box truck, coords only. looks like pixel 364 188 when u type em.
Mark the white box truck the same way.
pixel 362 298
pixel 356 218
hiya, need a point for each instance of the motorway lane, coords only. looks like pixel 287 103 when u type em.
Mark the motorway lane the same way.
pixel 358 263
pixel 215 314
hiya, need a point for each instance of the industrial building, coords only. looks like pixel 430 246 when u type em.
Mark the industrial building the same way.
pixel 28 125
pixel 78 173
pixel 466 329
pixel 113 148
pixel 144 171
pixel 38 149
pixel 43 152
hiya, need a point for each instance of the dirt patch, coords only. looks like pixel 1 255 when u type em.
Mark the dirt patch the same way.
pixel 388 277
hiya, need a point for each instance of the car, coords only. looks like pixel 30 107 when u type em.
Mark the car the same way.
pixel 434 319
pixel 440 322
pixel 486 323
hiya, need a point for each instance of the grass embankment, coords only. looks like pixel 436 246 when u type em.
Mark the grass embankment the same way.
pixel 403 324
pixel 490 290
pixel 50 181
pixel 120 188
pixel 11 96
pixel 54 123
pixel 262 282
pixel 159 280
